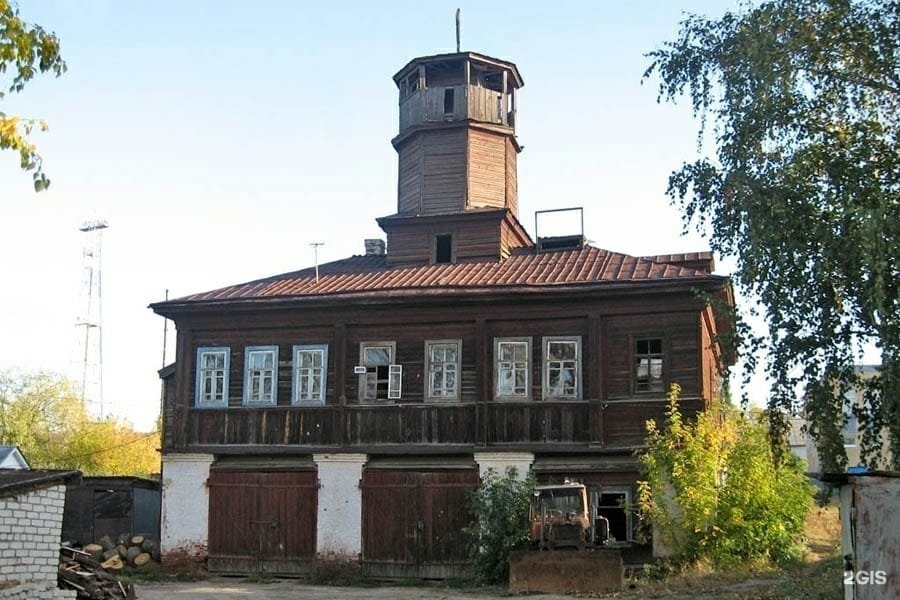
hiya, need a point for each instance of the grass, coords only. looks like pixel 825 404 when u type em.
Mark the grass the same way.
pixel 816 577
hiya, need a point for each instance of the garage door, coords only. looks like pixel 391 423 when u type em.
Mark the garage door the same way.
pixel 413 521
pixel 262 521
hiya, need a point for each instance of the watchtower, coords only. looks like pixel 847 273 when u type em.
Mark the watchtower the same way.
pixel 457 141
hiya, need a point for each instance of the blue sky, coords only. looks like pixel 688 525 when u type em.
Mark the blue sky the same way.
pixel 220 139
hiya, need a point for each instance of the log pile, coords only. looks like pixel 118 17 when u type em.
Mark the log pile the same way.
pixel 91 570
pixel 89 578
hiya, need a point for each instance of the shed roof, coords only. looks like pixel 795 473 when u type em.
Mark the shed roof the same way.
pixel 587 266
pixel 16 481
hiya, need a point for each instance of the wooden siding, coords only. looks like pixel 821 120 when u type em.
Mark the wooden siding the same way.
pixel 414 243
pixel 443 171
pixel 487 176
pixel 262 522
pixel 610 414
pixel 512 178
pixel 424 537
pixel 409 178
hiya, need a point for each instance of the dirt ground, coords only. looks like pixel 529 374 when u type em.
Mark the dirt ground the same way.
pixel 223 588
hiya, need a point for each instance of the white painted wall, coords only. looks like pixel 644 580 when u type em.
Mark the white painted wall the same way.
pixel 184 523
pixel 499 461
pixel 339 519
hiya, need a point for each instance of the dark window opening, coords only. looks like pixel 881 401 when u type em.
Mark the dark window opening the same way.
pixel 443 249
pixel 448 101
pixel 649 366
pixel 613 507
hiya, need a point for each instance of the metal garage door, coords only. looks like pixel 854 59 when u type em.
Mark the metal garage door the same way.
pixel 413 520
pixel 262 521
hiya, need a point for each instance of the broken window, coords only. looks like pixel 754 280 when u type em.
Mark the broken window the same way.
pixel 562 367
pixel 212 376
pixel 261 372
pixel 442 365
pixel 310 371
pixel 649 365
pixel 378 381
pixel 512 363
pixel 448 101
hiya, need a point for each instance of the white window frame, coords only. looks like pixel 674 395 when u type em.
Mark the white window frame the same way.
pixel 248 351
pixel 545 370
pixel 296 374
pixel 392 394
pixel 528 377
pixel 199 401
pixel 454 394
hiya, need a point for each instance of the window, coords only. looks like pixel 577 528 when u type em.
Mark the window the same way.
pixel 512 363
pixel 310 372
pixel 442 358
pixel 614 504
pixel 448 101
pixel 260 374
pixel 443 248
pixel 381 379
pixel 562 367
pixel 649 365
pixel 212 376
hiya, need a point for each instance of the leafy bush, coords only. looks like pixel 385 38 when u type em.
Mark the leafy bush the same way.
pixel 714 493
pixel 500 510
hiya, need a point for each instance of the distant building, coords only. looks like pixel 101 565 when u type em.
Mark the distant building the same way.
pixel 804 447
pixel 11 458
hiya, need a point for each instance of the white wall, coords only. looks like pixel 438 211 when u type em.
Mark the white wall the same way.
pixel 184 522
pixel 30 529
pixel 499 461
pixel 339 519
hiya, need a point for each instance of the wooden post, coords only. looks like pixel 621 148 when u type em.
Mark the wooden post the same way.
pixel 340 381
pixel 184 360
pixel 482 364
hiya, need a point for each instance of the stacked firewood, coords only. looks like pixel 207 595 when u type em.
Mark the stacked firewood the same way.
pixel 89 578
pixel 131 550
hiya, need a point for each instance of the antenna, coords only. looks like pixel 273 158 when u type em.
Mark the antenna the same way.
pixel 315 246
pixel 90 345
pixel 457 29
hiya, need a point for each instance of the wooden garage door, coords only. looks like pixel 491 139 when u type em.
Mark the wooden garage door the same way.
pixel 413 521
pixel 262 522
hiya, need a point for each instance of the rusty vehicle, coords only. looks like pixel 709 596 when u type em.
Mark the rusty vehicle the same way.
pixel 580 560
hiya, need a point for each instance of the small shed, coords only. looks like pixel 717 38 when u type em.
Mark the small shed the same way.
pixel 31 504
pixel 11 458
pixel 98 506
pixel 870 528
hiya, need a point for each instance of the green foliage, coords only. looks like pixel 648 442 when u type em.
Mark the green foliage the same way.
pixel 44 416
pixel 713 492
pixel 804 189
pixel 500 509
pixel 25 50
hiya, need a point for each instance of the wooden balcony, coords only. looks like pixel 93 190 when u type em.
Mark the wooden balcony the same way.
pixel 618 423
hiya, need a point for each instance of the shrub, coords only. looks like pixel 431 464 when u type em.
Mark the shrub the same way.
pixel 500 523
pixel 713 492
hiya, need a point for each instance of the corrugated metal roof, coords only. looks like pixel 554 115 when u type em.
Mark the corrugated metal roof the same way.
pixel 588 265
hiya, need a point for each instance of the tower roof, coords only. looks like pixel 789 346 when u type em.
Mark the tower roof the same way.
pixel 472 56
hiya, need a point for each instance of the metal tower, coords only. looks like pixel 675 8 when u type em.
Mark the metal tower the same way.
pixel 89 323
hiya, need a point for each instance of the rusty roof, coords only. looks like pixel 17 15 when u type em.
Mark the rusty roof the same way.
pixel 587 266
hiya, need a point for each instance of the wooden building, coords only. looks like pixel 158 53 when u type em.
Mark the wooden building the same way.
pixel 349 414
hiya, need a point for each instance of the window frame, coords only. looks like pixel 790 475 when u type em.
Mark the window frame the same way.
pixel 198 377
pixel 545 367
pixel 527 396
pixel 295 374
pixel 248 350
pixel 361 391
pixel 456 395
pixel 634 366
